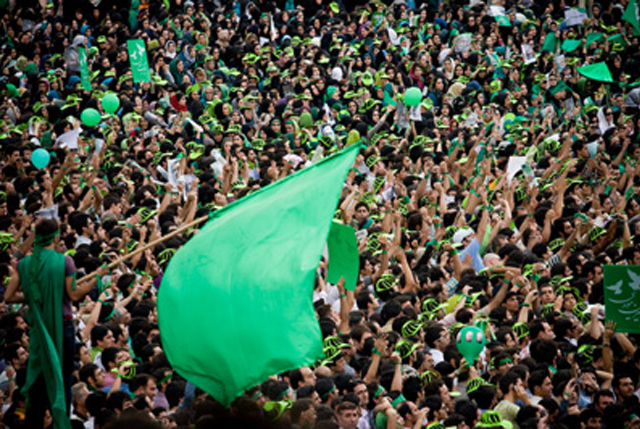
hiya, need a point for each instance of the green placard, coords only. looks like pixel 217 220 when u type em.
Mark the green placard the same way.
pixel 622 296
pixel 84 69
pixel 343 255
pixel 138 61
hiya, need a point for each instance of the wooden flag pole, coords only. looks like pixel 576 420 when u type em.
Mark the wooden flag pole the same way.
pixel 128 256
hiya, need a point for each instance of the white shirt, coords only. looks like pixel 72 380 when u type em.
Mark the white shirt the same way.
pixel 437 355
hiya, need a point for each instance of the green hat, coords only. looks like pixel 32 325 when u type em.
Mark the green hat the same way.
pixel 193 88
pixel 233 128
pixel 405 348
pixel 521 329
pixel 429 376
pixel 585 354
pixel 386 282
pixel 430 305
pixel 273 410
pixel 367 79
pixel 335 8
pixel 411 328
pixel 475 383
pixel 493 419
pixel 102 39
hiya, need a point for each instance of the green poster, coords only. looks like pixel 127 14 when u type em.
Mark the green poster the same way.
pixel 622 296
pixel 344 260
pixel 138 61
pixel 84 69
pixel 378 18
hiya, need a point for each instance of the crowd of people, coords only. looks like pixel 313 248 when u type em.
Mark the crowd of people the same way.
pixel 494 200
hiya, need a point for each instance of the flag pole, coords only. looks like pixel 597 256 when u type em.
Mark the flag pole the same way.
pixel 128 256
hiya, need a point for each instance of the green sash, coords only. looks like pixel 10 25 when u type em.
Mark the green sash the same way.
pixel 43 287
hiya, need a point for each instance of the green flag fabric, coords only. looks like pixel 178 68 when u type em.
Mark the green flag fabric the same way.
pixel 622 295
pixel 134 10
pixel 594 37
pixel 236 303
pixel 42 278
pixel 503 21
pixel 344 260
pixel 84 69
pixel 549 44
pixel 138 60
pixel 632 16
pixel 570 45
pixel 597 71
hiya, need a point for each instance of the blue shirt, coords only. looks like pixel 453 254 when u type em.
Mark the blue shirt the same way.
pixel 473 249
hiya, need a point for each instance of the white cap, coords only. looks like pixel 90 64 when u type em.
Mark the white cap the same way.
pixel 461 234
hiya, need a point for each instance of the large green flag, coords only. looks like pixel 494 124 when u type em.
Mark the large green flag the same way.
pixel 632 16
pixel 138 60
pixel 236 303
pixel 622 296
pixel 597 71
pixel 84 69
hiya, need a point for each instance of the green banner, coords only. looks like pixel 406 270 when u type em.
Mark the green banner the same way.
pixel 344 260
pixel 138 61
pixel 622 295
pixel 84 69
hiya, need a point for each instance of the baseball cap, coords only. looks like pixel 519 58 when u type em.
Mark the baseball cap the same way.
pixel 461 234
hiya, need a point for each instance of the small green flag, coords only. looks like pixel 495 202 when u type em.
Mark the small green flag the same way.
pixel 503 21
pixel 344 260
pixel 571 45
pixel 622 295
pixel 138 60
pixel 597 71
pixel 236 303
pixel 594 37
pixel 549 44
pixel 632 16
pixel 84 69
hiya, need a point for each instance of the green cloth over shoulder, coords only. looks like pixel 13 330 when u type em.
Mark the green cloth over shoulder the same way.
pixel 44 293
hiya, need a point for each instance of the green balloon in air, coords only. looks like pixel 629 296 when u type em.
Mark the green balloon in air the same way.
pixel 90 117
pixel 470 342
pixel 412 96
pixel 110 103
pixel 40 158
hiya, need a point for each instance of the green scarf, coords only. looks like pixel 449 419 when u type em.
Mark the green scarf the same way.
pixel 43 283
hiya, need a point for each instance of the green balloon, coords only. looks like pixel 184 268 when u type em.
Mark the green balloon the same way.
pixel 90 117
pixel 40 158
pixel 470 342
pixel 306 121
pixel 412 96
pixel 110 103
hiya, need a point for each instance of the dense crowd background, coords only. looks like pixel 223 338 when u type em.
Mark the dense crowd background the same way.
pixel 245 93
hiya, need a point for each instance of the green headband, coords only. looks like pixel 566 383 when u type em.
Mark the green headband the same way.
pixel 45 240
